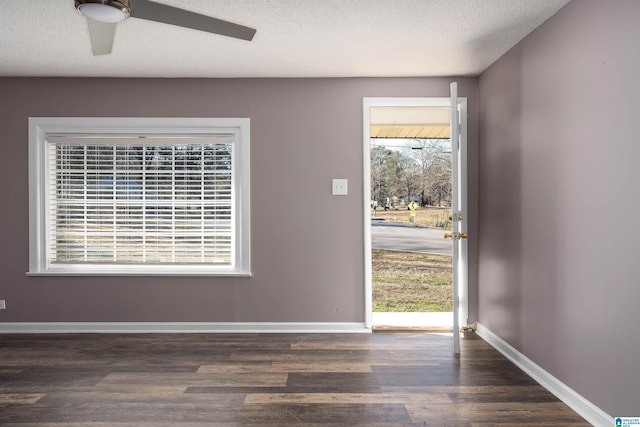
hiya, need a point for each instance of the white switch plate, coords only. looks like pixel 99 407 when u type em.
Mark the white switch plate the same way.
pixel 339 187
pixel 2 304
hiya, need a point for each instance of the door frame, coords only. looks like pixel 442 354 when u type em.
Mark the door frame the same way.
pixel 367 103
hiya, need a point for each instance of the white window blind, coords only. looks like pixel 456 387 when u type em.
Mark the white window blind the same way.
pixel 143 200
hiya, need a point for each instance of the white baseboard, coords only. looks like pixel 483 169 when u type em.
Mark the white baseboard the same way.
pixel 180 327
pixel 575 401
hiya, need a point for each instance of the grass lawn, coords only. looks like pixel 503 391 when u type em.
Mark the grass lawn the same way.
pixel 411 282
pixel 425 217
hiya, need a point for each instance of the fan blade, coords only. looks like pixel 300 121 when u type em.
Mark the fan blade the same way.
pixel 157 12
pixel 101 36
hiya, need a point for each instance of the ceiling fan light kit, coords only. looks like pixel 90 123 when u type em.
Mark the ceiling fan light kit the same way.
pixel 109 12
pixel 103 15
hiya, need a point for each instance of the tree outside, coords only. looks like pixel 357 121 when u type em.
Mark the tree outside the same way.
pixel 416 169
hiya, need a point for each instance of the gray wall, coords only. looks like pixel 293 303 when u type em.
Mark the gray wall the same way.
pixel 307 249
pixel 558 200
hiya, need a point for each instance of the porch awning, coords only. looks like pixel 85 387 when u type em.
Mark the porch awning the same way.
pixel 409 122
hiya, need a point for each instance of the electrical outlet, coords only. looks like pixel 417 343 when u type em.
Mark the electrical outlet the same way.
pixel 2 304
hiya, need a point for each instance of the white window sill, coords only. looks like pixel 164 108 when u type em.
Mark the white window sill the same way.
pixel 139 273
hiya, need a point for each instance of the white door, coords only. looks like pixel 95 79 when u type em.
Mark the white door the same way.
pixel 459 215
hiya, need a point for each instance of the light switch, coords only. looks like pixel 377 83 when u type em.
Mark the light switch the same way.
pixel 339 187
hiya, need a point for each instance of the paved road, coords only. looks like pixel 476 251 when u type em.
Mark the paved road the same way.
pixel 407 238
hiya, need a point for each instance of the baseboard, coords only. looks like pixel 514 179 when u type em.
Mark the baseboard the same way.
pixel 575 401
pixel 180 327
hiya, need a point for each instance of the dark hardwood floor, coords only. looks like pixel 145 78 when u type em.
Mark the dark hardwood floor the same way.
pixel 382 379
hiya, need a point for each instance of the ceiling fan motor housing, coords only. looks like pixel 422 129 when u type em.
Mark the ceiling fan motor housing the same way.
pixel 108 11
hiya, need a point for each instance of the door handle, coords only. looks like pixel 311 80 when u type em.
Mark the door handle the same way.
pixel 455 235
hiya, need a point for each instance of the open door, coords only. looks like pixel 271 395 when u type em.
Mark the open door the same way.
pixel 459 215
pixel 456 129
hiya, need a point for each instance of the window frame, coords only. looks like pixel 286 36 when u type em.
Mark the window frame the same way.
pixel 41 127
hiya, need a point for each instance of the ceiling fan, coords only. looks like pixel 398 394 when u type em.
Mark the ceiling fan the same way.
pixel 104 15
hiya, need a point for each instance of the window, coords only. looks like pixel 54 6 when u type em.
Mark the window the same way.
pixel 139 196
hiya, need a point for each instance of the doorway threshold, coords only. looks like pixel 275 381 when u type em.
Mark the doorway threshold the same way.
pixel 433 322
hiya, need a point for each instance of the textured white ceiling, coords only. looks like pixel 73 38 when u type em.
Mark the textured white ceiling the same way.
pixel 295 38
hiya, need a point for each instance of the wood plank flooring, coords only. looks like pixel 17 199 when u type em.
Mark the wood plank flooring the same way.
pixel 194 380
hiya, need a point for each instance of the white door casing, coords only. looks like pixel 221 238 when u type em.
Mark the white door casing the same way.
pixel 460 193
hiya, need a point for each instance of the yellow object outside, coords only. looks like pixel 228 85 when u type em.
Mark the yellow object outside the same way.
pixel 412 210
